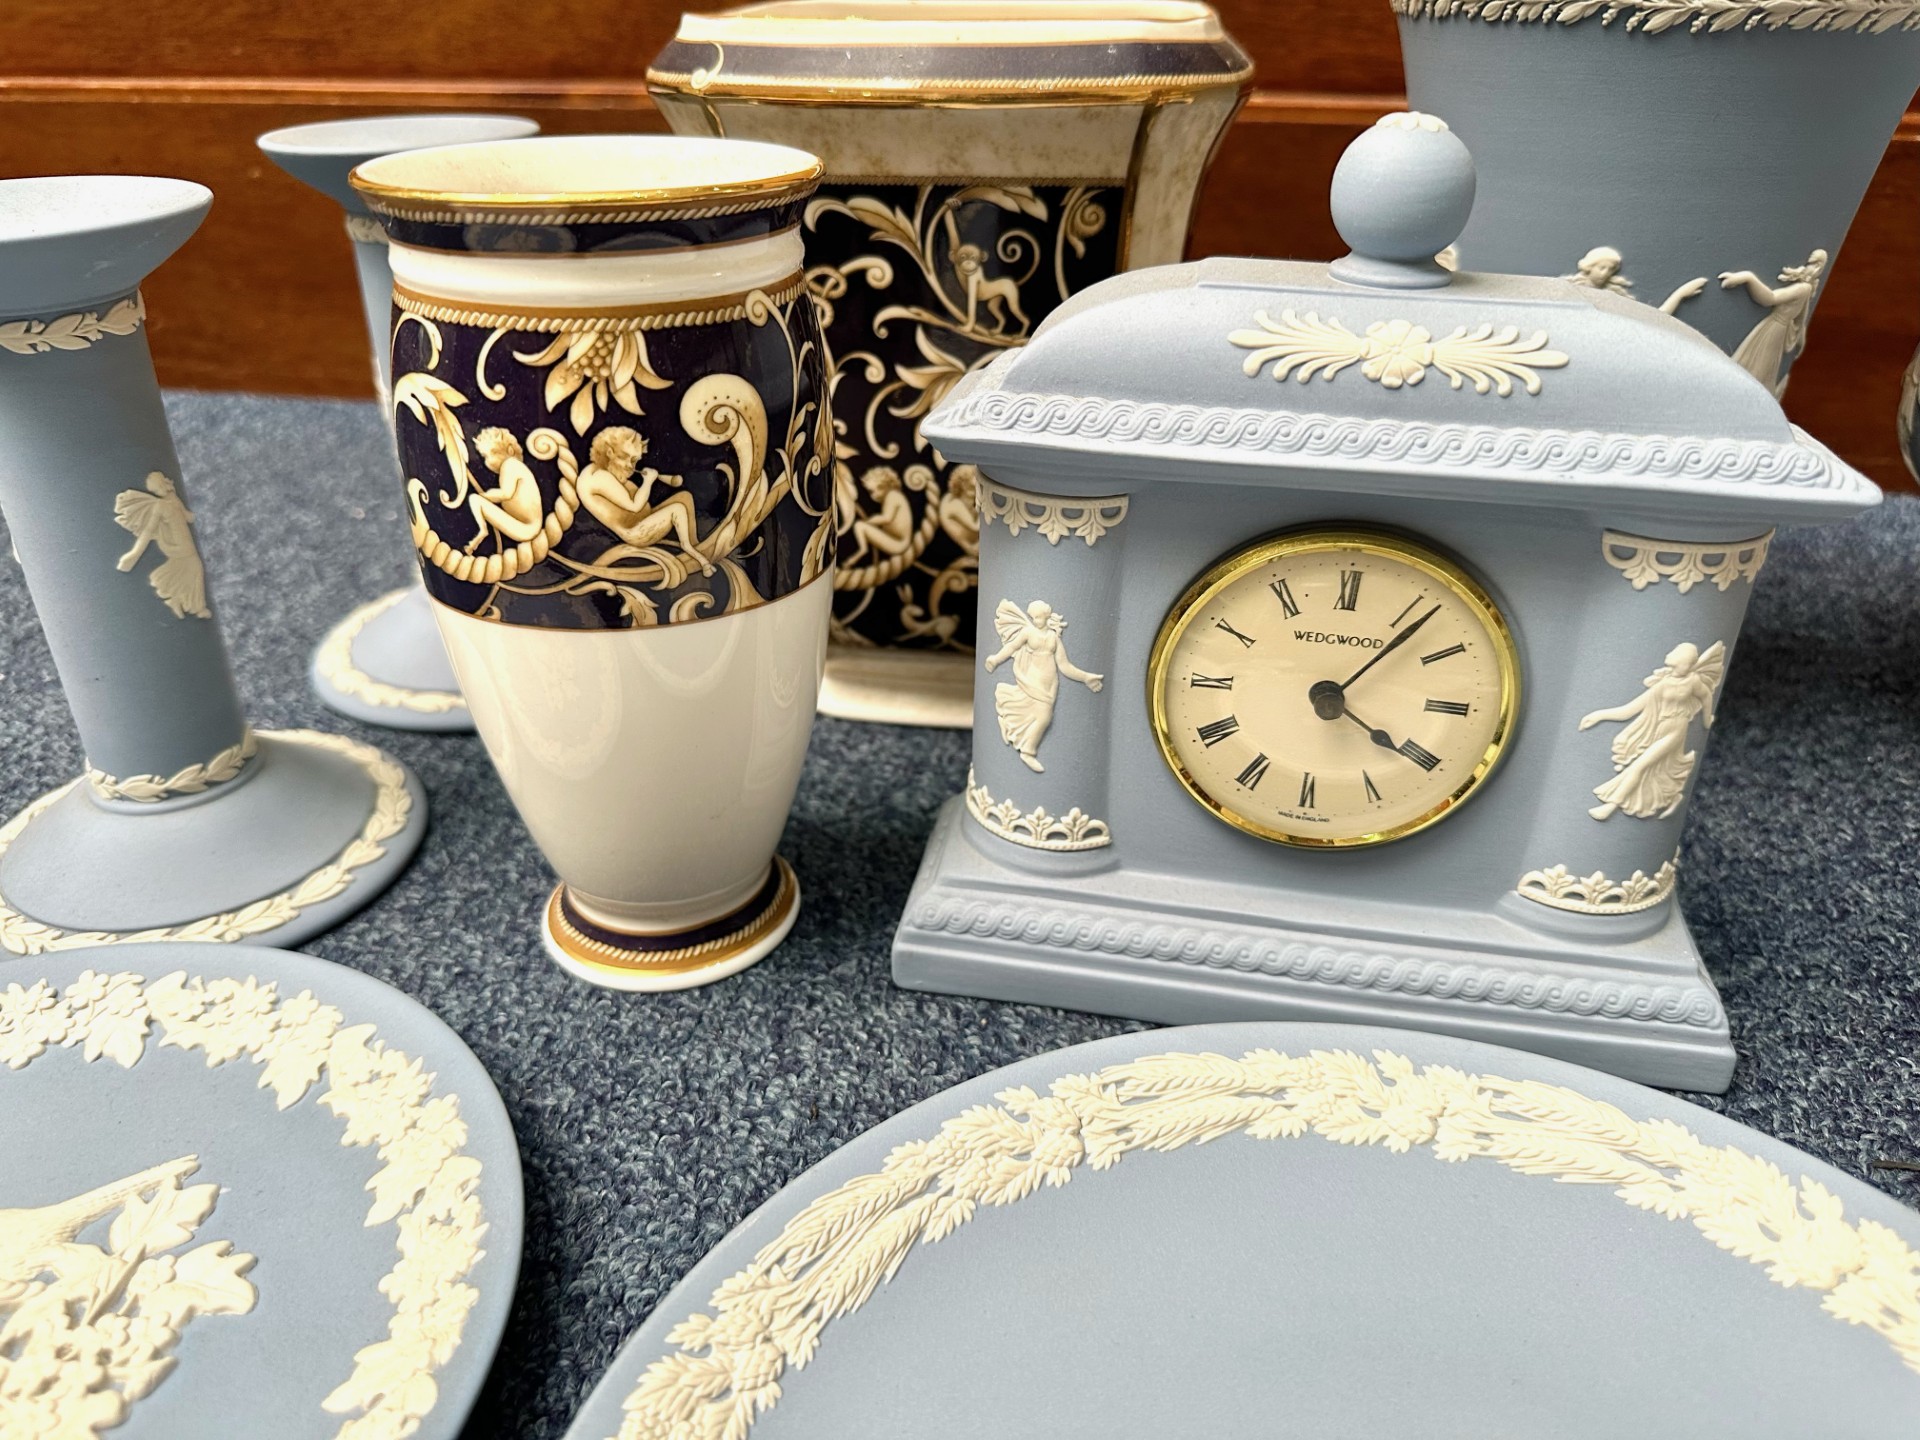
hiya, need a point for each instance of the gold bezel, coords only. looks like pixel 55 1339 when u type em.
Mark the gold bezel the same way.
pixel 1224 573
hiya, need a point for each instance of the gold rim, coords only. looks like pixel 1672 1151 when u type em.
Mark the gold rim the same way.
pixel 1221 575
pixel 598 955
pixel 763 189
pixel 1037 93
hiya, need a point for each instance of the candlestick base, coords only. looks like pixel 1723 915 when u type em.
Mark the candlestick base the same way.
pixel 385 664
pixel 310 831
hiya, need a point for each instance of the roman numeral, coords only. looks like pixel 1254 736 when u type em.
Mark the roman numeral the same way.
pixel 1279 588
pixel 1408 611
pixel 1214 731
pixel 1306 791
pixel 1246 640
pixel 1255 772
pixel 1447 707
pixel 1425 759
pixel 1445 654
pixel 1210 682
pixel 1349 590
pixel 1373 791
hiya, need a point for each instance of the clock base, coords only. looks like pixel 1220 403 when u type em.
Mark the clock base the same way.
pixel 1107 943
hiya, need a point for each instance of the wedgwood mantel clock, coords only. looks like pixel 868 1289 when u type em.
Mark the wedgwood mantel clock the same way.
pixel 1391 710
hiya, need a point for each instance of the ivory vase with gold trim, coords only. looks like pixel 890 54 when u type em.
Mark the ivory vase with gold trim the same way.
pixel 185 823
pixel 384 663
pixel 983 163
pixel 1703 156
pixel 609 394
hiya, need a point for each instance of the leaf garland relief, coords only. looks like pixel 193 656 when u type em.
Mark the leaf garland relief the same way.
pixel 426 1186
pixel 726 1364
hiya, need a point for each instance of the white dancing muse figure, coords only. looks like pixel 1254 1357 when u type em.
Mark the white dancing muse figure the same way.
pixel 1032 639
pixel 1650 754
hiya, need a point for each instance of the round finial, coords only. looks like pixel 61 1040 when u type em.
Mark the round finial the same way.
pixel 1401 194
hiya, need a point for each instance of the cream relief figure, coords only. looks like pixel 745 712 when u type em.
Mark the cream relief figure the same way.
pixel 87 1330
pixel 158 516
pixel 1782 331
pixel 1032 640
pixel 1650 754
pixel 1601 268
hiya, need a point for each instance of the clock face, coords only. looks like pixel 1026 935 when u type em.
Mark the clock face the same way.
pixel 1333 688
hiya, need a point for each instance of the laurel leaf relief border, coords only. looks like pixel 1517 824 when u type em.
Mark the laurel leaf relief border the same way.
pixel 834 1255
pixel 392 803
pixel 333 662
pixel 427 1187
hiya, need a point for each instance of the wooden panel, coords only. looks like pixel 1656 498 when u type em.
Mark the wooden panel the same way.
pixel 263 297
pixel 1346 45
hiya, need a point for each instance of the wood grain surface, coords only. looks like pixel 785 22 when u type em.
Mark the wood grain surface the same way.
pixel 263 298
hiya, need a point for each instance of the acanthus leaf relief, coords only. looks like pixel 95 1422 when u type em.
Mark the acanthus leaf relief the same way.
pixel 699 498
pixel 1650 755
pixel 1598 893
pixel 1034 639
pixel 88 1329
pixel 1038 828
pixel 159 517
pixel 1687 563
pixel 1054 517
pixel 1397 353
pixel 942 277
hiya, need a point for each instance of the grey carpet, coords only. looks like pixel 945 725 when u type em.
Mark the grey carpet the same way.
pixel 649 1126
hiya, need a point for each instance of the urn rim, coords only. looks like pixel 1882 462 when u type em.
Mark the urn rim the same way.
pixel 928 52
pixel 366 137
pixel 585 175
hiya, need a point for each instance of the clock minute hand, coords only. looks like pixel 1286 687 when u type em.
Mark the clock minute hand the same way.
pixel 1392 645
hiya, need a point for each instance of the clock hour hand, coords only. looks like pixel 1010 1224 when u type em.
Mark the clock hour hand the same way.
pixel 1379 737
pixel 1392 645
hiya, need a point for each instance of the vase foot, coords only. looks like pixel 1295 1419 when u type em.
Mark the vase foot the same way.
pixel 317 827
pixel 675 960
pixel 928 688
pixel 385 664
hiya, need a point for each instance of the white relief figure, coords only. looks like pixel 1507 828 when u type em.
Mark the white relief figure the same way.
pixel 1032 639
pixel 608 493
pixel 1782 331
pixel 158 516
pixel 1650 754
pixel 1601 269
pixel 88 1330
pixel 513 508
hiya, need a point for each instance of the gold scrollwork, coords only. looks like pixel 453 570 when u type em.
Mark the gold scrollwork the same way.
pixel 965 297
pixel 658 543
